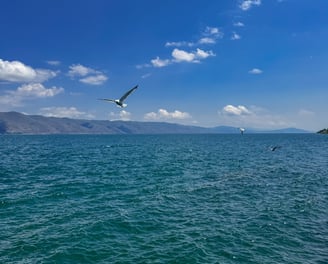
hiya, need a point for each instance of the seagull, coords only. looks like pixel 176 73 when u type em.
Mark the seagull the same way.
pixel 119 102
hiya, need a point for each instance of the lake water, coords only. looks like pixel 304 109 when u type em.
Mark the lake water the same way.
pixel 164 198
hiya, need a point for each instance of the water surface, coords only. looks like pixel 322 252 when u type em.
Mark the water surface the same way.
pixel 164 199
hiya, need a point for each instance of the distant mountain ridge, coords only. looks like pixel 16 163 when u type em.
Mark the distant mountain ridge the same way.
pixel 18 123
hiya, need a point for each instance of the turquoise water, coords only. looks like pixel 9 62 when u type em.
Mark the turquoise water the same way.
pixel 164 199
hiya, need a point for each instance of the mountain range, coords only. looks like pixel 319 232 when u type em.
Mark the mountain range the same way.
pixel 18 123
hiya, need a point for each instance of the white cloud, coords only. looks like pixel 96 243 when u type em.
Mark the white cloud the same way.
pixel 80 70
pixel 239 24
pixel 236 110
pixel 90 76
pixel 16 71
pixel 151 116
pixel 70 112
pixel 36 90
pixel 184 56
pixel 53 62
pixel 163 114
pixel 158 63
pixel 28 91
pixel 253 116
pixel 235 36
pixel 201 54
pixel 207 40
pixel 214 31
pixel 209 36
pixel 247 4
pixel 179 44
pixel 125 115
pixel 94 80
pixel 201 41
pixel 43 75
pixel 122 115
pixel 181 55
pixel 255 71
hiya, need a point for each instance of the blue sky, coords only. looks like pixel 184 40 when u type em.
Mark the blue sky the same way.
pixel 245 63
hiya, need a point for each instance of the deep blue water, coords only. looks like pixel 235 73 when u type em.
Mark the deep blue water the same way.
pixel 164 199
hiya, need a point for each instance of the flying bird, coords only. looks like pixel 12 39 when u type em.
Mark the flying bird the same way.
pixel 119 102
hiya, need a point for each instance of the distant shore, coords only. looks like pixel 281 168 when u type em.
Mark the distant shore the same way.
pixel 19 123
pixel 323 131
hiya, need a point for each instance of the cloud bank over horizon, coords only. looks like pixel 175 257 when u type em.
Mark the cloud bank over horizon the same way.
pixel 163 114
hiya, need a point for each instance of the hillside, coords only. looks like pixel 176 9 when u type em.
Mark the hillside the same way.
pixel 17 123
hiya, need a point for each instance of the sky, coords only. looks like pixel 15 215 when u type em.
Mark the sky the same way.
pixel 245 63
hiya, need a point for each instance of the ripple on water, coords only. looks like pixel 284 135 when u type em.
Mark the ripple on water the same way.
pixel 169 198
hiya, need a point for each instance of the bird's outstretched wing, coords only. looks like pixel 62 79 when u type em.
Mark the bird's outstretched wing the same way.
pixel 128 93
pixel 105 99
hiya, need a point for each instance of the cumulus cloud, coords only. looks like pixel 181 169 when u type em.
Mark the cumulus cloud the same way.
pixel 247 4
pixel 201 54
pixel 16 71
pixel 235 110
pixel 122 115
pixel 158 63
pixel 43 75
pixel 94 80
pixel 70 112
pixel 208 36
pixel 207 40
pixel 28 92
pixel 251 116
pixel 163 114
pixel 181 55
pixel 36 90
pixel 239 24
pixel 80 70
pixel 235 36
pixel 212 31
pixel 90 76
pixel 184 56
pixel 255 71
